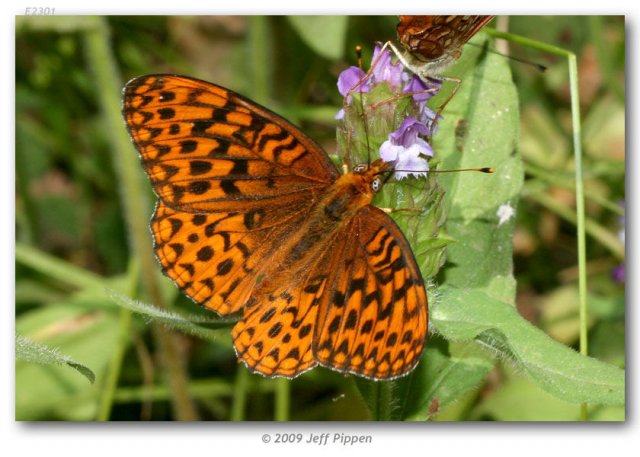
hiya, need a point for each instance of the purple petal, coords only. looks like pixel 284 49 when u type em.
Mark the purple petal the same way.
pixel 426 116
pixel 389 152
pixel 410 162
pixel 408 132
pixel 618 273
pixel 423 92
pixel 349 78
pixel 384 70
pixel 424 147
pixel 385 58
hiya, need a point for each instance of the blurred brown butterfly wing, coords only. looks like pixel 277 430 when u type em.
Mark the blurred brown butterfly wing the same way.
pixel 436 41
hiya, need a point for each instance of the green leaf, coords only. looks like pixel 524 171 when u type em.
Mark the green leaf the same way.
pixel 518 399
pixel 464 315
pixel 326 35
pixel 187 324
pixel 439 380
pixel 33 352
pixel 83 327
pixel 522 400
pixel 480 129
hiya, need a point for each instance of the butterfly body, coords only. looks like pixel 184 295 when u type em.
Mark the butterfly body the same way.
pixel 254 218
pixel 326 219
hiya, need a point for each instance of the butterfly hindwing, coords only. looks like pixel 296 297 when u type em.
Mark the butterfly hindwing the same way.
pixel 373 322
pixel 217 258
pixel 276 334
pixel 359 308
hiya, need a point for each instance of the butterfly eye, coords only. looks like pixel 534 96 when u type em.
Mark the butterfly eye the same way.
pixel 376 185
pixel 360 168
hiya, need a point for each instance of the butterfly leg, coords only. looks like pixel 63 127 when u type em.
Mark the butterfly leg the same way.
pixel 429 80
pixel 440 79
pixel 397 210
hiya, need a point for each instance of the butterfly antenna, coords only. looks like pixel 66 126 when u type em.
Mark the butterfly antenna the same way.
pixel 359 56
pixel 538 66
pixel 481 170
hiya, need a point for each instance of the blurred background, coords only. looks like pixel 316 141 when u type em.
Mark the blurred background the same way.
pixel 72 239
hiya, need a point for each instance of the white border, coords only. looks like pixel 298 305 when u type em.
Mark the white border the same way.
pixel 173 439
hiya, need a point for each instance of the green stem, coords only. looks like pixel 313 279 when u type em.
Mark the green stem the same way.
pixel 117 357
pixel 198 389
pixel 577 151
pixel 133 192
pixel 202 388
pixel 381 400
pixel 282 399
pixel 259 62
pixel 582 249
pixel 240 389
pixel 527 42
pixel 62 271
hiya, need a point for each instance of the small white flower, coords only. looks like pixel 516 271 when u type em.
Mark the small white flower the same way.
pixel 505 212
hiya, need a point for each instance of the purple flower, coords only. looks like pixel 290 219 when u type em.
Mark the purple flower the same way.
pixel 422 92
pixel 618 273
pixel 349 78
pixel 421 95
pixel 347 82
pixel 407 133
pixel 404 147
pixel 384 70
pixel 407 150
pixel 408 161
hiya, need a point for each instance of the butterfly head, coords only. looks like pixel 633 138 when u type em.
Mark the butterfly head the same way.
pixel 372 176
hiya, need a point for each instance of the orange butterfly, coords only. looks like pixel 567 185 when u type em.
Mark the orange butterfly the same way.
pixel 253 216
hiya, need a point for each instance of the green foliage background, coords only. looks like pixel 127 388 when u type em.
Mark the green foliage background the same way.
pixel 79 267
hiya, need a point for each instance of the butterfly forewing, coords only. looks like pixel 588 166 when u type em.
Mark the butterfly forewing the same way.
pixel 207 149
pixel 229 174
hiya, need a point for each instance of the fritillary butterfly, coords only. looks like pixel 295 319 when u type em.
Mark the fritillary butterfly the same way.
pixel 253 217
pixel 435 42
pixel 432 43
